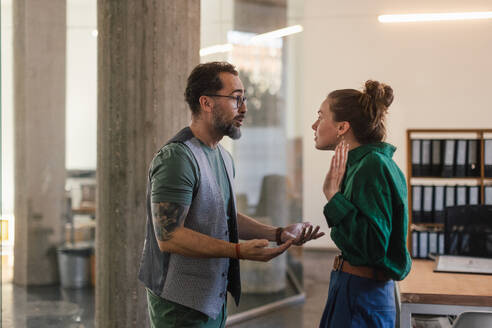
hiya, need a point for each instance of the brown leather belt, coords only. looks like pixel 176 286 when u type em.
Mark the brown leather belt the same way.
pixel 361 271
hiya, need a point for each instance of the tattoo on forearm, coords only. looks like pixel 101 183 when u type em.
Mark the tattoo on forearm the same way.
pixel 166 217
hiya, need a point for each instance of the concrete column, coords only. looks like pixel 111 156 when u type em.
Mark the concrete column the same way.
pixel 39 118
pixel 146 50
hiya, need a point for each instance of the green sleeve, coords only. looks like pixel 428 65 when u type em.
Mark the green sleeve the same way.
pixel 361 222
pixel 174 175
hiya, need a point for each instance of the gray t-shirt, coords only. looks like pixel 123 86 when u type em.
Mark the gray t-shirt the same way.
pixel 175 174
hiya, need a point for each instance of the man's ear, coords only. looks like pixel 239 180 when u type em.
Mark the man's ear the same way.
pixel 206 104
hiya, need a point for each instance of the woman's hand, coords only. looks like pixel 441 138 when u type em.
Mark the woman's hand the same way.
pixel 335 175
pixel 301 233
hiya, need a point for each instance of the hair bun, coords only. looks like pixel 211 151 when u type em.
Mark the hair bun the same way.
pixel 379 92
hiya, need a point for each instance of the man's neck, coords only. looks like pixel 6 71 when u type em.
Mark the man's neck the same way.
pixel 205 133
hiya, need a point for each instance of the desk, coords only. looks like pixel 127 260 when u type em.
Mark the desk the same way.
pixel 424 291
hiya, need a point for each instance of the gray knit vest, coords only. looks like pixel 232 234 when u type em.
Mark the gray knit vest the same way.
pixel 198 283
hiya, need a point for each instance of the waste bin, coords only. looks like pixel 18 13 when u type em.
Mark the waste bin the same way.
pixel 74 264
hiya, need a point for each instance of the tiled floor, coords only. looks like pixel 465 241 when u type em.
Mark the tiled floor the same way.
pixel 41 307
pixel 50 306
pixel 317 268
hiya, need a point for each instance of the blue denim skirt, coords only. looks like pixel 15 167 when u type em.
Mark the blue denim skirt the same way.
pixel 359 302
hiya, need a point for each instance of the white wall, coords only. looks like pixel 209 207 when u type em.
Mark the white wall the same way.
pixel 293 69
pixel 216 19
pixel 7 112
pixel 441 73
pixel 81 100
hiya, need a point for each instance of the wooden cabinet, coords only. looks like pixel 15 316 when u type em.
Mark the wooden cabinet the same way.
pixel 429 175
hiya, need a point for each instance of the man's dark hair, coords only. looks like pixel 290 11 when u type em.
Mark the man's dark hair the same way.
pixel 204 79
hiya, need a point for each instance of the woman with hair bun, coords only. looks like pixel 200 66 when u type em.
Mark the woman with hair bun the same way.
pixel 366 208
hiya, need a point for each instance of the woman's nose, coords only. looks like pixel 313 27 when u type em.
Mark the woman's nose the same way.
pixel 315 125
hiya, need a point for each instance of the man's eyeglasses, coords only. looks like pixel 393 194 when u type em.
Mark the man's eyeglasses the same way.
pixel 240 100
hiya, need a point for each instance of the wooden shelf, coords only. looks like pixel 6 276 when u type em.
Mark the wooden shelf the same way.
pixel 450 178
pixel 439 226
pixel 449 131
pixel 478 134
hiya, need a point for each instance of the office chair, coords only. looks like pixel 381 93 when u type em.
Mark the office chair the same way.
pixel 473 320
pixel 273 202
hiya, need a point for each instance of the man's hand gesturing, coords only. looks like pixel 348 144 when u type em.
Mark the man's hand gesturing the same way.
pixel 258 250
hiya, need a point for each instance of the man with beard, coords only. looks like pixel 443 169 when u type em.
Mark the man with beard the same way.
pixel 191 251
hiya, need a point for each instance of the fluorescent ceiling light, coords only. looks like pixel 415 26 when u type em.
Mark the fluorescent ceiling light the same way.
pixel 434 17
pixel 278 33
pixel 215 49
pixel 260 37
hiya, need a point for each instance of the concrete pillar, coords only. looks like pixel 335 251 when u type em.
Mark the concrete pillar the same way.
pixel 146 50
pixel 39 118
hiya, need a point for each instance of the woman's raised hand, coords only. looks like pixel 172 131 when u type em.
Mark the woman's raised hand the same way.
pixel 334 177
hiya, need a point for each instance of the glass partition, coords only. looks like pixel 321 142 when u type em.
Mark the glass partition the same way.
pixel 268 156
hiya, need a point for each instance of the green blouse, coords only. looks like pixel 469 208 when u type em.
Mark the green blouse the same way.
pixel 369 216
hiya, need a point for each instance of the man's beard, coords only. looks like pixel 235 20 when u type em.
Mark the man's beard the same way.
pixel 225 128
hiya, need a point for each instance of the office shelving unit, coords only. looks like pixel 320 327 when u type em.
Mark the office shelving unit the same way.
pixel 438 134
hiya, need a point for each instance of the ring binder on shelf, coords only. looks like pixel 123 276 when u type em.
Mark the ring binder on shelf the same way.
pixel 426 242
pixel 488 195
pixel 433 243
pixel 449 158
pixel 415 243
pixel 426 158
pixel 473 195
pixel 417 204
pixel 416 162
pixel 436 166
pixel 428 202
pixel 473 158
pixel 461 195
pixel 450 192
pixel 439 204
pixel 423 244
pixel 441 242
pixel 488 157
pixel 460 168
